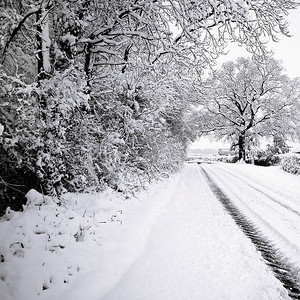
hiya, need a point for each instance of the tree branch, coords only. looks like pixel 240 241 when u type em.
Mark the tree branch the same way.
pixel 16 29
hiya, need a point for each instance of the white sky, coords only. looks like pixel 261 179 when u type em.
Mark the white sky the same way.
pixel 287 50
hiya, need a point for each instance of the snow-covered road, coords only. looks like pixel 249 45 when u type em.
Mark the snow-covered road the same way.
pixel 269 220
pixel 196 251
pixel 272 210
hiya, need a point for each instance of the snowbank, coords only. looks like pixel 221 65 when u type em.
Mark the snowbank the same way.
pixel 53 251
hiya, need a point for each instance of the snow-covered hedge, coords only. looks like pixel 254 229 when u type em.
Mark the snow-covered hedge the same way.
pixel 227 158
pixel 291 163
pixel 224 158
pixel 71 140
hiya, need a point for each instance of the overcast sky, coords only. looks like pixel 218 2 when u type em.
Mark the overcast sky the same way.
pixel 287 50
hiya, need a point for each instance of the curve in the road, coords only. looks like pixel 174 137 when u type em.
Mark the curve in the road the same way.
pixel 283 270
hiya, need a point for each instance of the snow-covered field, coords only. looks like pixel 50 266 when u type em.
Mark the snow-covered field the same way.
pixel 174 241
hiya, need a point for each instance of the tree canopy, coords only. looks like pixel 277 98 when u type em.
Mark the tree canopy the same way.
pixel 96 93
pixel 248 99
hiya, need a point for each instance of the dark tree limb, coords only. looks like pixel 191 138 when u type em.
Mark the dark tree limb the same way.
pixel 16 29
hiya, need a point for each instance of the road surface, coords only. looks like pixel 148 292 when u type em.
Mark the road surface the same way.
pixel 197 250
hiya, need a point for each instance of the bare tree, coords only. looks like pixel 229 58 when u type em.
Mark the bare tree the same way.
pixel 247 99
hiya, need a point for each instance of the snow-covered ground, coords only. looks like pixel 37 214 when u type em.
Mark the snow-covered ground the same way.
pixel 269 197
pixel 174 241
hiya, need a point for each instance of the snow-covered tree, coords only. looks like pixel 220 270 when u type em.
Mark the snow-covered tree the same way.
pixel 247 99
pixel 95 92
pixel 112 33
pixel 115 31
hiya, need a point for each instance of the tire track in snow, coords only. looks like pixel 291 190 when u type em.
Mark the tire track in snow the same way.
pixel 282 233
pixel 283 270
pixel 258 189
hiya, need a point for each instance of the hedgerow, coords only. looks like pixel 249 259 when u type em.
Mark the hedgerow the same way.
pixel 291 163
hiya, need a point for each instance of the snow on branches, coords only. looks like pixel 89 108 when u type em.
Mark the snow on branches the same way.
pixel 248 99
pixel 96 93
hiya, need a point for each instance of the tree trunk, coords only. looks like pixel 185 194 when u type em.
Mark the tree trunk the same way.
pixel 39 46
pixel 88 65
pixel 46 42
pixel 43 51
pixel 242 151
pixel 43 42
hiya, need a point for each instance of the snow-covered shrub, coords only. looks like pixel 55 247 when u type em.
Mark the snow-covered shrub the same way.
pixel 43 124
pixel 266 158
pixel 134 144
pixel 272 155
pixel 291 163
pixel 227 158
pixel 18 108
pixel 60 144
